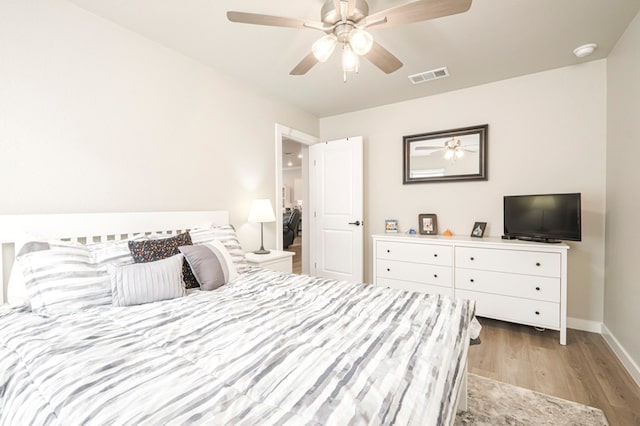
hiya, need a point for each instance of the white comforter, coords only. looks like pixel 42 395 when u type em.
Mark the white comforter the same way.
pixel 271 348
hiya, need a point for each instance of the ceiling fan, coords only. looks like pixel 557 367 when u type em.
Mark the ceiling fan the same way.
pixel 453 149
pixel 346 22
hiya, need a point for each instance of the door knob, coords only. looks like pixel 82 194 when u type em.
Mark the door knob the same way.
pixel 356 223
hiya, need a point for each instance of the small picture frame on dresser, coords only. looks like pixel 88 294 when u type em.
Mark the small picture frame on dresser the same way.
pixel 428 224
pixel 391 226
pixel 478 229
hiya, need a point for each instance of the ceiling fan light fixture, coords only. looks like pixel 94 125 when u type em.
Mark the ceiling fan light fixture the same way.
pixel 361 41
pixel 349 59
pixel 324 47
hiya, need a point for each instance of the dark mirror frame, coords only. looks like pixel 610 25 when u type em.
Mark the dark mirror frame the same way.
pixel 482 131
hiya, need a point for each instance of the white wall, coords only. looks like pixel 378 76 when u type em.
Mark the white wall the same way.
pixel 96 118
pixel 622 286
pixel 547 134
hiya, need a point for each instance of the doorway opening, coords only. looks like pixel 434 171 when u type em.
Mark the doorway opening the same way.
pixel 292 194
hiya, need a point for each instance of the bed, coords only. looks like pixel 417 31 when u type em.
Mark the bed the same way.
pixel 266 348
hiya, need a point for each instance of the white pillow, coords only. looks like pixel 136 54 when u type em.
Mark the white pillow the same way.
pixel 61 277
pixel 140 283
pixel 17 294
pixel 226 234
pixel 65 276
pixel 16 290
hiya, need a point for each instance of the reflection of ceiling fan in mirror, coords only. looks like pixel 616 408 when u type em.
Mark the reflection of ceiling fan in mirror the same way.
pixel 346 22
pixel 453 149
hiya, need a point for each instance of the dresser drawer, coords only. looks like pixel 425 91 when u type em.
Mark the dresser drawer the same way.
pixel 412 286
pixel 415 272
pixel 415 252
pixel 524 311
pixel 520 262
pixel 525 286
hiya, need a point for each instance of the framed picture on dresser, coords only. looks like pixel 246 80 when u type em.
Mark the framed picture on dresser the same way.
pixel 478 229
pixel 428 224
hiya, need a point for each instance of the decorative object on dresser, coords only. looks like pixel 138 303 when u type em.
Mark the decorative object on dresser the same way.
pixel 261 211
pixel 450 155
pixel 516 281
pixel 478 229
pixel 276 260
pixel 428 224
pixel 391 226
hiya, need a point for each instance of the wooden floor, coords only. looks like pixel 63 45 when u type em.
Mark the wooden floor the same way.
pixel 584 371
pixel 296 248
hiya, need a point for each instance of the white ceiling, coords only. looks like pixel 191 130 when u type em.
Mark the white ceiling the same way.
pixel 494 40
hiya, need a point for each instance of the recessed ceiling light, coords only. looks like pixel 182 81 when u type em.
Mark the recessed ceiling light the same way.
pixel 584 50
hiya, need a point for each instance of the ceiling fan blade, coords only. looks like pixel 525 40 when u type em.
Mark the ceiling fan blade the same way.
pixel 351 5
pixel 274 21
pixel 305 65
pixel 383 59
pixel 338 7
pixel 416 11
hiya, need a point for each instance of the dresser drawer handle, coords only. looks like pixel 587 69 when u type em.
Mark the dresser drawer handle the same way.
pixel 537 288
pixel 472 258
pixel 472 280
pixel 388 269
pixel 537 312
pixel 388 251
pixel 435 255
pixel 537 263
pixel 435 275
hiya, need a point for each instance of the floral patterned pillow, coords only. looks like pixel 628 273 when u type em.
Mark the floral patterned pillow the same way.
pixel 153 250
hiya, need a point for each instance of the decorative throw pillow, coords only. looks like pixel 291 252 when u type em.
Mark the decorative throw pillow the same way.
pixel 226 234
pixel 147 282
pixel 62 277
pixel 211 264
pixel 153 250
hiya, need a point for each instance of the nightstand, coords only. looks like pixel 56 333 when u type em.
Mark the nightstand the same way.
pixel 276 260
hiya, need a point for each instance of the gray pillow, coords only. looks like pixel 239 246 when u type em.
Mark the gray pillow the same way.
pixel 211 264
pixel 147 282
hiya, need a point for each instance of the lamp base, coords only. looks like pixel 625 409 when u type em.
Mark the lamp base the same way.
pixel 262 251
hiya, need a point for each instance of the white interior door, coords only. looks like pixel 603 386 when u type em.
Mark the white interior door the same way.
pixel 336 197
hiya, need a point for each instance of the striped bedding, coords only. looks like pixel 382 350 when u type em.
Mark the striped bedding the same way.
pixel 268 349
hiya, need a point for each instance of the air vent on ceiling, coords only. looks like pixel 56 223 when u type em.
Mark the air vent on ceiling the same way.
pixel 429 75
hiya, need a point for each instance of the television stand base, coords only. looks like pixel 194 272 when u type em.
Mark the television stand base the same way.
pixel 539 240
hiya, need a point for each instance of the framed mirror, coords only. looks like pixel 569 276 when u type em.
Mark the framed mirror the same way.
pixel 450 155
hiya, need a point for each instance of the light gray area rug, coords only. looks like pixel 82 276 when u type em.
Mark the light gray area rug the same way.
pixel 493 403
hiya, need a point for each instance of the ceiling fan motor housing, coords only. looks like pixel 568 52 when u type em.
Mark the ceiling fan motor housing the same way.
pixel 330 15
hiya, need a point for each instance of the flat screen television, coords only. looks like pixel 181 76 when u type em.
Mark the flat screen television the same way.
pixel 546 217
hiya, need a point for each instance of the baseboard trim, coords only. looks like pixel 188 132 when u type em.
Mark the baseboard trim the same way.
pixel 584 325
pixel 628 362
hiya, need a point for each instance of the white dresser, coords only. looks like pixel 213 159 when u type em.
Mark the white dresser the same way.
pixel 510 280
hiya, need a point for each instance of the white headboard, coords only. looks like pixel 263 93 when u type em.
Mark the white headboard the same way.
pixel 94 227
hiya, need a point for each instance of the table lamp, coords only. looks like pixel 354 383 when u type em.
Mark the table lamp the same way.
pixel 261 211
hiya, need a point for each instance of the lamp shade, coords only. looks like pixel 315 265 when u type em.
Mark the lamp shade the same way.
pixel 261 211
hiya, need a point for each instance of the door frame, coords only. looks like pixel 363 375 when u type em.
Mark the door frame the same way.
pixel 282 131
